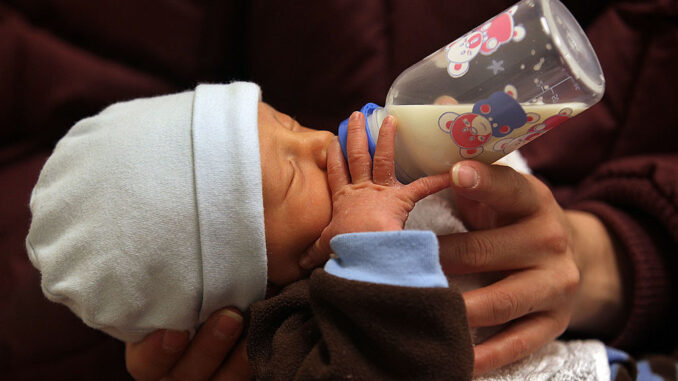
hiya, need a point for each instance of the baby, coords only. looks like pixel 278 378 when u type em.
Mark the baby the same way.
pixel 158 211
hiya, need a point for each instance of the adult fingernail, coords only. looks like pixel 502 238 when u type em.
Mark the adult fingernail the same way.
pixel 464 176
pixel 174 341
pixel 228 324
pixel 306 263
pixel 354 116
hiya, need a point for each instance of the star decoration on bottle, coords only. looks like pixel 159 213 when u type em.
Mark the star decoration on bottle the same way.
pixel 496 66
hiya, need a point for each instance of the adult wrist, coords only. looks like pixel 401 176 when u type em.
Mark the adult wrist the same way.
pixel 604 271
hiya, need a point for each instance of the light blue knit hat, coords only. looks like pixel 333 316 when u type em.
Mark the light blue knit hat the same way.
pixel 150 214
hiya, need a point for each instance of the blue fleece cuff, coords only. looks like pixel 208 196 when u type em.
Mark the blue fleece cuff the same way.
pixel 398 258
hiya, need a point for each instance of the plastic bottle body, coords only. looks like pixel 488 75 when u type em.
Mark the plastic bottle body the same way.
pixel 498 87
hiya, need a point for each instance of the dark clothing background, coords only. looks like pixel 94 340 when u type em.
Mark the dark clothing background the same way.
pixel 62 60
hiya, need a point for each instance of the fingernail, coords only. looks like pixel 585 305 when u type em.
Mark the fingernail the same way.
pixel 389 120
pixel 306 263
pixel 174 341
pixel 228 324
pixel 464 176
pixel 355 116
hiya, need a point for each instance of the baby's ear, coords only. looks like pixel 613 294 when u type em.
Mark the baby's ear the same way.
pixel 457 69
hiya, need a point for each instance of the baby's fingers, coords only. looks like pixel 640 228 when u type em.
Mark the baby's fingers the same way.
pixel 383 166
pixel 426 186
pixel 337 172
pixel 318 253
pixel 359 159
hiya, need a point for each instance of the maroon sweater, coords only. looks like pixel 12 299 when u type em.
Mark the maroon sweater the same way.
pixel 619 160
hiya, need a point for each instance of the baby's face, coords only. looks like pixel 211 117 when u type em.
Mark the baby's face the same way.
pixel 297 201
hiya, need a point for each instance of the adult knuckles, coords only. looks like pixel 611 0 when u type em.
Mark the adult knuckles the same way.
pixel 541 191
pixel 554 236
pixel 466 252
pixel 505 306
pixel 564 280
pixel 558 321
pixel 476 251
pixel 561 324
pixel 505 180
pixel 519 346
pixel 570 278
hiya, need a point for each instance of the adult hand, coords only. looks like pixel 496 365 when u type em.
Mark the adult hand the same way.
pixel 366 196
pixel 215 353
pixel 518 229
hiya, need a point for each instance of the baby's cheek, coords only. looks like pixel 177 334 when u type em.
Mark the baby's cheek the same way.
pixel 283 270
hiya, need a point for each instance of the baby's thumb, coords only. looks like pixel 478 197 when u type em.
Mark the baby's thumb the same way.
pixel 317 254
pixel 426 186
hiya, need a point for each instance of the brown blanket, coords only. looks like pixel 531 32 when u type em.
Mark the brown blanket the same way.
pixel 330 328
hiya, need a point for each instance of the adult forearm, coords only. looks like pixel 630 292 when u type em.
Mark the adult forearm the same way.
pixel 601 303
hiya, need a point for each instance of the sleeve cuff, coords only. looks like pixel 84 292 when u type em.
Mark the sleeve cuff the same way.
pixel 651 283
pixel 399 258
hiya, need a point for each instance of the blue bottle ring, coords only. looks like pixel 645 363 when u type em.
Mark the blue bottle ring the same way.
pixel 367 110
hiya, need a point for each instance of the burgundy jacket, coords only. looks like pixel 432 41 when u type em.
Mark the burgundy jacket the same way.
pixel 61 61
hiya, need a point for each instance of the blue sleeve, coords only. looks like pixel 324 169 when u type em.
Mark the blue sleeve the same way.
pixel 656 367
pixel 398 258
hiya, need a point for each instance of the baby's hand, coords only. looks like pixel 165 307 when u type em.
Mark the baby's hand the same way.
pixel 366 196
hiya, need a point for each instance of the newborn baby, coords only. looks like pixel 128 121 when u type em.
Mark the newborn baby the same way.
pixel 159 211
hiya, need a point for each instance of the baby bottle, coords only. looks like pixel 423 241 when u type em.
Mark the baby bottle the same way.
pixel 492 90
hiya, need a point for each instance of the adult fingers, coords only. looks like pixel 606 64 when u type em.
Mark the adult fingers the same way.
pixel 155 355
pixel 337 172
pixel 445 100
pixel 426 186
pixel 518 340
pixel 383 165
pixel 236 366
pixel 510 247
pixel 501 188
pixel 209 348
pixel 519 294
pixel 359 159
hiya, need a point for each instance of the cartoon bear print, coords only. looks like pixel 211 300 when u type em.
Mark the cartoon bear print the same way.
pixel 510 144
pixel 485 40
pixel 497 116
pixel 461 52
